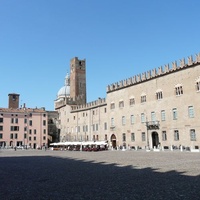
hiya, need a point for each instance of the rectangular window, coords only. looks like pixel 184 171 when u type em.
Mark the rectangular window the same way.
pixel 192 135
pixel 30 122
pixel 44 137
pixel 44 122
pixel 30 131
pixel 16 120
pixel 191 111
pixel 93 126
pixel 131 101
pixel 105 126
pixel 112 121
pixel 132 119
pixel 14 128
pixel 34 138
pixel 179 90
pixel 163 115
pixel 174 112
pixel 132 137
pixel 143 99
pixel 86 128
pixel 29 138
pixel 1 135
pixel 121 104
pixel 44 131
pixel 153 116
pixel 124 137
pixel 123 120
pixel 105 110
pixel 97 127
pixel 12 120
pixel 25 135
pixel 112 106
pixel 142 117
pixel 25 121
pixel 1 128
pixel 97 137
pixel 16 135
pixel 106 137
pixel 159 95
pixel 198 85
pixel 11 136
pixel 1 120
pixel 143 136
pixel 164 136
pixel 176 135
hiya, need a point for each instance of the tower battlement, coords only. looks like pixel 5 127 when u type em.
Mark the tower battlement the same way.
pixel 90 105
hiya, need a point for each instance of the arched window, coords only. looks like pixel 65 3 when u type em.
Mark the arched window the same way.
pixel 178 89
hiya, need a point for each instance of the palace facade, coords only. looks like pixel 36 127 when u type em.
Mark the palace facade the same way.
pixel 158 108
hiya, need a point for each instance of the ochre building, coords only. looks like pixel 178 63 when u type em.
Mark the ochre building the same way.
pixel 158 108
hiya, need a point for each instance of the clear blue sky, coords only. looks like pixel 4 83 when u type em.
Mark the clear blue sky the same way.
pixel 118 39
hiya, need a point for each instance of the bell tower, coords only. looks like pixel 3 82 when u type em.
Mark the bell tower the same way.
pixel 13 100
pixel 78 80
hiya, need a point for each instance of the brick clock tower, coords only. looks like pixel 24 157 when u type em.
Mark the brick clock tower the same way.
pixel 13 101
pixel 78 80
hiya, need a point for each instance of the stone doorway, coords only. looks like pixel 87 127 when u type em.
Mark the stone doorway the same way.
pixel 155 139
pixel 113 141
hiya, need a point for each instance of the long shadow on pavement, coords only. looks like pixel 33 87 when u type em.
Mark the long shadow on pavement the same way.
pixel 46 177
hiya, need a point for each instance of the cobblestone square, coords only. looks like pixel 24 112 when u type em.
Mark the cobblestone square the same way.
pixel 39 174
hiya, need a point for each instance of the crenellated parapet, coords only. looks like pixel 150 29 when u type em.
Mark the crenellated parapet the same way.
pixel 91 105
pixel 156 72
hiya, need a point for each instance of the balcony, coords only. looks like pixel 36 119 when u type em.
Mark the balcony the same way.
pixel 112 127
pixel 152 125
